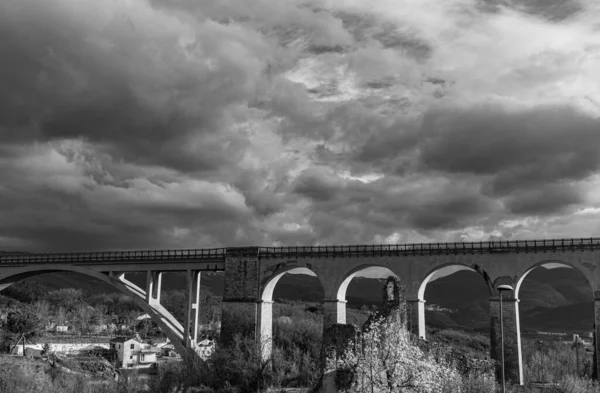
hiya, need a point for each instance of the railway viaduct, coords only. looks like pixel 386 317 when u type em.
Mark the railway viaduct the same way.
pixel 251 274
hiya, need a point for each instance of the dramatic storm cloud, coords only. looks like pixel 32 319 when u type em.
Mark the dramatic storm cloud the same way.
pixel 178 123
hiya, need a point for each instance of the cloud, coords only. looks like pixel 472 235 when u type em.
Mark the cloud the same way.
pixel 162 123
pixel 518 146
pixel 128 78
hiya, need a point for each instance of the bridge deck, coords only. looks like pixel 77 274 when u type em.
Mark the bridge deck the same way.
pixel 219 254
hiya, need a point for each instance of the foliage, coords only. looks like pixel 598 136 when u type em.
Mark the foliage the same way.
pixel 66 298
pixel 26 291
pixel 551 361
pixel 385 359
pixel 147 328
pixel 469 343
pixel 23 321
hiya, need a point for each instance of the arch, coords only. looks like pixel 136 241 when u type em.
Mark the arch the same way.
pixel 531 268
pixel 269 286
pixel 474 268
pixel 342 286
pixel 157 313
pixel 265 310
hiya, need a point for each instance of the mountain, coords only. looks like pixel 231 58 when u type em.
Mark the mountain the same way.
pixel 170 281
pixel 550 299
pixel 557 299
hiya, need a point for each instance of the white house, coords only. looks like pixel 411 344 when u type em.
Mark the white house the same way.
pixel 131 353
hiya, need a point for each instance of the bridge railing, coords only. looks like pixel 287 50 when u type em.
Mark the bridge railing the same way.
pixel 117 256
pixel 487 247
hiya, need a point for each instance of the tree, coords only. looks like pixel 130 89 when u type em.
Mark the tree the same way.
pixel 42 309
pixel 24 322
pixel 27 291
pixel 147 328
pixel 85 315
pixel 66 298
pixel 385 360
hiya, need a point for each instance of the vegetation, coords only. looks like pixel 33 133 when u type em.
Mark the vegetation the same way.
pixel 297 335
pixel 472 344
pixel 34 310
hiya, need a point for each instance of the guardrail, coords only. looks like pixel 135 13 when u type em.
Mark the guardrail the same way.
pixel 420 249
pixel 489 247
pixel 117 256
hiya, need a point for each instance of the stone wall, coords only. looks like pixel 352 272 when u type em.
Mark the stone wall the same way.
pixel 394 304
pixel 336 340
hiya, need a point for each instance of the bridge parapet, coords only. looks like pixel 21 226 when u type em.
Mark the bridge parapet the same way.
pixel 108 256
pixel 414 249
pixel 417 249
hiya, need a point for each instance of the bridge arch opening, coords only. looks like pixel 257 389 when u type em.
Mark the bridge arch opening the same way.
pixel 291 316
pixel 555 303
pixel 454 298
pixel 359 293
pixel 104 283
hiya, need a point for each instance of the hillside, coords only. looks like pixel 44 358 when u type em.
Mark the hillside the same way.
pixel 550 299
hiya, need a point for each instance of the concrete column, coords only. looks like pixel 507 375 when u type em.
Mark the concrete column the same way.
pixel 415 316
pixel 192 295
pixel 264 332
pixel 239 314
pixel 512 338
pixel 596 366
pixel 196 307
pixel 334 312
pixel 153 286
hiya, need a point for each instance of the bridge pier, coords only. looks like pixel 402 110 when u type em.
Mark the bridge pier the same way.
pixel 264 329
pixel 153 286
pixel 512 339
pixel 334 312
pixel 596 362
pixel 242 310
pixel 416 317
pixel 192 295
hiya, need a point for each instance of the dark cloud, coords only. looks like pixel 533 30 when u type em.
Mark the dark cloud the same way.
pixel 148 97
pixel 548 199
pixel 163 123
pixel 553 10
pixel 317 185
pixel 516 147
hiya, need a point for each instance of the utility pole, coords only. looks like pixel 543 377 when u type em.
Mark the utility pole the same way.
pixel 576 344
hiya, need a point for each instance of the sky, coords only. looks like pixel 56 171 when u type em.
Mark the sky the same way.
pixel 146 124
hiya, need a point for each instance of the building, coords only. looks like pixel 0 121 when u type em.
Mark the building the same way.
pixel 131 353
pixel 168 350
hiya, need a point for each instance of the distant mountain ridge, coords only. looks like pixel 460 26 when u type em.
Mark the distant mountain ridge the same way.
pixel 550 299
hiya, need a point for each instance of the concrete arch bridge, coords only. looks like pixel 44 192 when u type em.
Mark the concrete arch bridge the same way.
pixel 251 274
